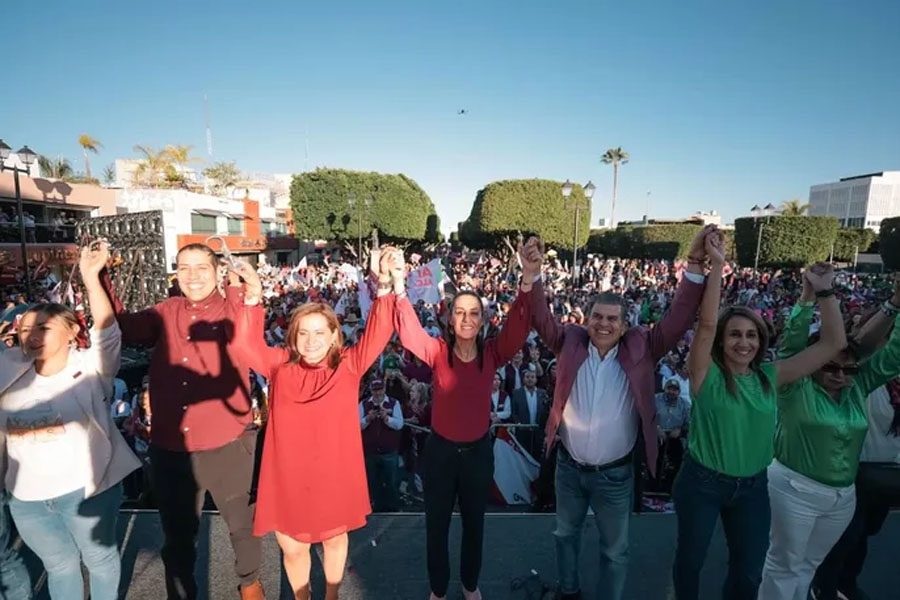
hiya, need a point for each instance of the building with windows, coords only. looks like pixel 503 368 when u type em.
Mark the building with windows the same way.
pixel 51 208
pixel 859 201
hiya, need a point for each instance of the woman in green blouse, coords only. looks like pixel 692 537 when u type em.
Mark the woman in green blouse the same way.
pixel 730 443
pixel 821 428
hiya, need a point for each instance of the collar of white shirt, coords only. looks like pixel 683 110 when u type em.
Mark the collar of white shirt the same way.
pixel 595 354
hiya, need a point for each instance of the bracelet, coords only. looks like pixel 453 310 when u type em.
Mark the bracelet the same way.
pixel 825 293
pixel 695 259
pixel 385 286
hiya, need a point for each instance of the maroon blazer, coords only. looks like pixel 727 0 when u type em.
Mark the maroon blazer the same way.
pixel 639 351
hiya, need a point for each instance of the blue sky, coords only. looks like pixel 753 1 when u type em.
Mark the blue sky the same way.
pixel 721 105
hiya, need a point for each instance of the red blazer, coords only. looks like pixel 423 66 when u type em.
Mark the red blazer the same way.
pixel 639 351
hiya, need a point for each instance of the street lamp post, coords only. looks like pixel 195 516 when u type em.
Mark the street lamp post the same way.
pixel 757 212
pixel 27 156
pixel 366 203
pixel 572 203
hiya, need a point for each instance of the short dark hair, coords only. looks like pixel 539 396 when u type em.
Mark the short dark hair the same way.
pixel 610 299
pixel 213 258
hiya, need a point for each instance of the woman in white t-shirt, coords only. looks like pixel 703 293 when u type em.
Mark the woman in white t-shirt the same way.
pixel 65 458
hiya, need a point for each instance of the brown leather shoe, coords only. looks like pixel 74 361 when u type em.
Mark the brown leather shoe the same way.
pixel 254 591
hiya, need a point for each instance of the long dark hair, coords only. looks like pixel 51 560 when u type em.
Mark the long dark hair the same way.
pixel 718 349
pixel 450 335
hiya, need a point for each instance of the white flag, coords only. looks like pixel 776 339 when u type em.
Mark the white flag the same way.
pixel 424 283
pixel 514 470
pixel 341 307
pixel 365 299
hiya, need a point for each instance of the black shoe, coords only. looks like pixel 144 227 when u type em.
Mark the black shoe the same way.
pixel 575 596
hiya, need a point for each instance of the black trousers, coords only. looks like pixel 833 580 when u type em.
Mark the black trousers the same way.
pixel 877 491
pixel 180 481
pixel 454 472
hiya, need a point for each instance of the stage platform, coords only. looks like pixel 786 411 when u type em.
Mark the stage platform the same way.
pixel 387 559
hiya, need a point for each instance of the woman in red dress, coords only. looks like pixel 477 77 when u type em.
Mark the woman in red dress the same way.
pixel 459 455
pixel 312 482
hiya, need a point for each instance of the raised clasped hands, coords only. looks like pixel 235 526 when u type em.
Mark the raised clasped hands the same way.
pixel 820 276
pixel 94 257
pixel 531 256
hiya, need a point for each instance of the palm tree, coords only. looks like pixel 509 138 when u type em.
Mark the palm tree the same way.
pixel 179 158
pixel 58 168
pixel 150 169
pixel 88 143
pixel 224 175
pixel 616 157
pixel 109 174
pixel 793 208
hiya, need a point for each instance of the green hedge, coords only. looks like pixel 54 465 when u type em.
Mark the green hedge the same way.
pixel 527 205
pixel 786 241
pixel 850 240
pixel 889 243
pixel 400 209
pixel 644 241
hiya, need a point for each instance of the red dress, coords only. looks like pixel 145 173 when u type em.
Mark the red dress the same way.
pixel 312 482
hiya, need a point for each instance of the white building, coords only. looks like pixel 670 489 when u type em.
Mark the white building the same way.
pixel 189 217
pixel 860 201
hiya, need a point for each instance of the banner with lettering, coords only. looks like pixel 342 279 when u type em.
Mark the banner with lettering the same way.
pixel 424 283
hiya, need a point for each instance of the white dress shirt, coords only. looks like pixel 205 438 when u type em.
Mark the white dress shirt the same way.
pixel 531 400
pixel 600 422
pixel 880 446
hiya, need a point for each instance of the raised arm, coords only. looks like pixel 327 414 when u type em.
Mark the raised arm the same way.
pixel 249 327
pixel 700 356
pixel 877 327
pixel 106 339
pixel 410 331
pixel 884 364
pixel 833 338
pixel 681 315
pixel 796 330
pixel 550 332
pixel 515 329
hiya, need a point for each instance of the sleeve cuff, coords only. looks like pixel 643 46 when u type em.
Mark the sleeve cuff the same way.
pixel 694 277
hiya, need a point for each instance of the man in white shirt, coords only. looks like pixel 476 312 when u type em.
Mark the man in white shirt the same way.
pixel 603 400
pixel 530 406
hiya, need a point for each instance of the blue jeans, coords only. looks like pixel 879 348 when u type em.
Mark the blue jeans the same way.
pixel 15 584
pixel 703 495
pixel 609 493
pixel 71 528
pixel 383 474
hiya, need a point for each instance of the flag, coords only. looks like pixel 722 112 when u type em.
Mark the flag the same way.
pixel 514 470
pixel 424 283
pixel 300 266
pixel 365 296
pixel 341 307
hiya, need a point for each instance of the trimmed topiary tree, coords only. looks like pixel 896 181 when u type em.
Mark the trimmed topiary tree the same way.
pixel 527 205
pixel 785 241
pixel 400 209
pixel 851 240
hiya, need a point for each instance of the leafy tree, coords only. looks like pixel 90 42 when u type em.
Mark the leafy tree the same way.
pixel 151 169
pixel 224 175
pixel 794 208
pixel 88 144
pixel 851 240
pixel 58 168
pixel 109 174
pixel 399 209
pixel 614 157
pixel 536 206
pixel 785 241
pixel 179 157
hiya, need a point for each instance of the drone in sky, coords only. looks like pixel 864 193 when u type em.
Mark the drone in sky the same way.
pixel 462 111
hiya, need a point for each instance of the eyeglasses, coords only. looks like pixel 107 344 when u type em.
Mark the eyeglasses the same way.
pixel 846 369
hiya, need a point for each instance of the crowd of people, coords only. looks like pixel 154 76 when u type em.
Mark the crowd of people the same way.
pixel 767 399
